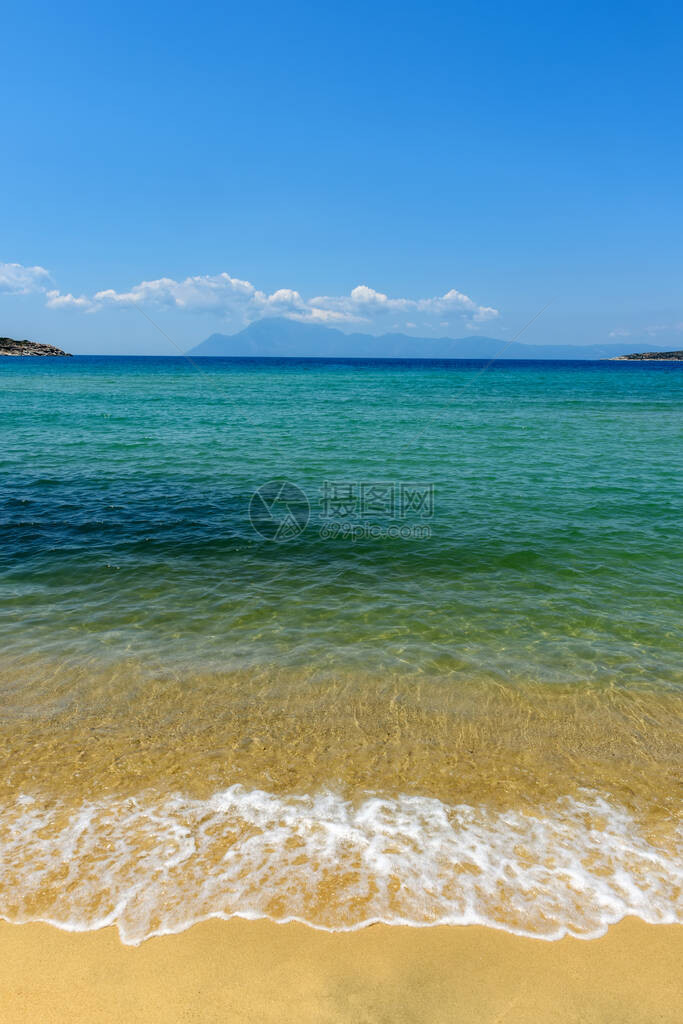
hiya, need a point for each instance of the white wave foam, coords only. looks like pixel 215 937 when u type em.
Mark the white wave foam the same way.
pixel 154 866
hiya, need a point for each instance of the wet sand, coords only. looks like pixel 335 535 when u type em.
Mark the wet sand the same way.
pixel 258 971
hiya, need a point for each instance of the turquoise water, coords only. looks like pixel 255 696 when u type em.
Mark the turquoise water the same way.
pixel 507 640
pixel 555 534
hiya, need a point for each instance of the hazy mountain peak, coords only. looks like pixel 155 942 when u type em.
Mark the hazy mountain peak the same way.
pixel 282 337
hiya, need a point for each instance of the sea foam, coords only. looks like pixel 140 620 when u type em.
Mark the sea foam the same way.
pixel 153 865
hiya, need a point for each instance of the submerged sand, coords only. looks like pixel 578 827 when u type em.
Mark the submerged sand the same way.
pixel 259 971
pixel 91 731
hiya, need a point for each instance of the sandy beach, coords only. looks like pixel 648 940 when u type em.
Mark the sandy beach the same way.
pixel 259 971
pixel 341 517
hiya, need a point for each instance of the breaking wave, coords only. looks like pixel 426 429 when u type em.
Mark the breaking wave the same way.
pixel 153 865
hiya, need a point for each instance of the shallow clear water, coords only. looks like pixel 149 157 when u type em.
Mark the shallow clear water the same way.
pixel 464 639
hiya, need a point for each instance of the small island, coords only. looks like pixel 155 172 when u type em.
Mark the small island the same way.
pixel 670 356
pixel 10 347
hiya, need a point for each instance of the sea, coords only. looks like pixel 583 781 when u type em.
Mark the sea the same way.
pixel 340 642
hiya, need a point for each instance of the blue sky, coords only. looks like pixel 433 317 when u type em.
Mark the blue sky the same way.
pixel 461 164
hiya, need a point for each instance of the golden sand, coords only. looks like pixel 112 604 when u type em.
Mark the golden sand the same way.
pixel 114 794
pixel 261 972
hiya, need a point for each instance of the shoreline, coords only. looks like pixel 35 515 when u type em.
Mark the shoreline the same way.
pixel 240 970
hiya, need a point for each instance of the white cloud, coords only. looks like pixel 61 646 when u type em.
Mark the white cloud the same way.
pixel 217 293
pixel 364 302
pixel 652 331
pixel 664 329
pixel 55 300
pixel 241 301
pixel 16 279
pixel 204 293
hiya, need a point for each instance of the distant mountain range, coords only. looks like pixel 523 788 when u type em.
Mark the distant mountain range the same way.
pixel 282 337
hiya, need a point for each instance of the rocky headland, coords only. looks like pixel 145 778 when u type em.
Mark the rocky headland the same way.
pixel 10 347
pixel 671 356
